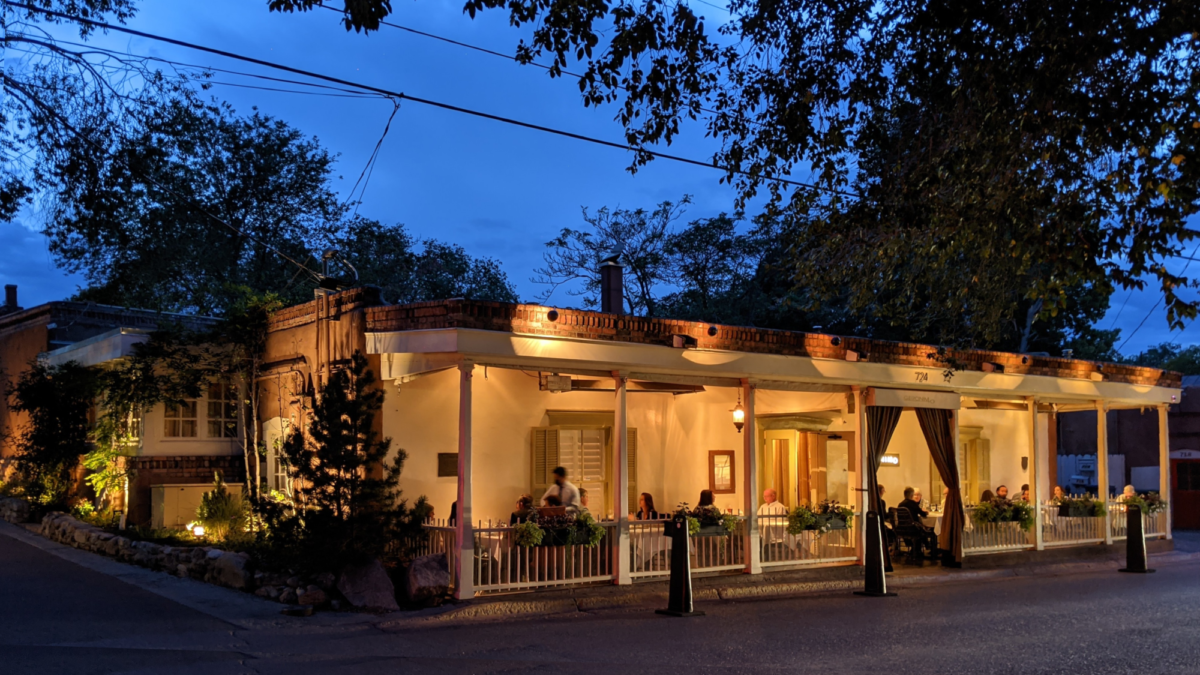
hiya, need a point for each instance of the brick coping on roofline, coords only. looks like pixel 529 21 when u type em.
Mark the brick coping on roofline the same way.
pixel 574 323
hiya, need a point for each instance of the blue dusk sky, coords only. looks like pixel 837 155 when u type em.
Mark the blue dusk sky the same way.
pixel 498 190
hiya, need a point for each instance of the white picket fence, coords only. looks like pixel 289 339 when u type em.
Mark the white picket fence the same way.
pixel 501 565
pixel 1154 525
pixel 650 550
pixel 1069 531
pixel 994 537
pixel 777 548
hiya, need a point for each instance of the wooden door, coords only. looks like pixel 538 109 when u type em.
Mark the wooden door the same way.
pixel 1185 494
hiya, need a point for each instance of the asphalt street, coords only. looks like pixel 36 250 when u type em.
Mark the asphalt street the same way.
pixel 63 612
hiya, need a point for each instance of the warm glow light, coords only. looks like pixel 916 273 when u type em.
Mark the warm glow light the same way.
pixel 197 530
pixel 739 417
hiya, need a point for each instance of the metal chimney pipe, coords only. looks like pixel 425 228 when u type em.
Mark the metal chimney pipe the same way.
pixel 612 287
pixel 10 296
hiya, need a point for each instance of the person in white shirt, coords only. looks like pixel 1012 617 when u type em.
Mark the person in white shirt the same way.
pixel 567 493
pixel 775 524
pixel 771 506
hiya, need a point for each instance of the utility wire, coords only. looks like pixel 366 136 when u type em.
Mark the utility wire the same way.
pixel 1159 301
pixel 493 52
pixel 430 102
pixel 81 136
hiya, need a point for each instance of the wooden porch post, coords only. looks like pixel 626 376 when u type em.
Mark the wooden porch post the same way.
pixel 864 500
pixel 1102 466
pixel 750 481
pixel 620 475
pixel 1164 463
pixel 1035 483
pixel 464 533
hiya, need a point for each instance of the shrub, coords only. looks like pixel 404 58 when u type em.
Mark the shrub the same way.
pixel 222 514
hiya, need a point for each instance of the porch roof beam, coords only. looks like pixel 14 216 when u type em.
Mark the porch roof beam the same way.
pixel 562 354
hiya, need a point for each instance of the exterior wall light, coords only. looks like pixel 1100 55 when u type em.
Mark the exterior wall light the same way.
pixel 739 414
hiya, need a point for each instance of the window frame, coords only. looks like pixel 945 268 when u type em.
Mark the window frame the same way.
pixel 712 471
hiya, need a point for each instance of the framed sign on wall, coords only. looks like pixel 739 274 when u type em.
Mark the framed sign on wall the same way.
pixel 722 474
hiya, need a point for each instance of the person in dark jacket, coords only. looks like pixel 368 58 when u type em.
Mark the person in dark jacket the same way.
pixel 927 538
pixel 524 510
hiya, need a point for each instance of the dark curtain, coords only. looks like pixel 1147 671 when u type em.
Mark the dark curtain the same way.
pixel 938 427
pixel 881 424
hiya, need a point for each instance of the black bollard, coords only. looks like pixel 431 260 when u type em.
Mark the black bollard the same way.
pixel 876 579
pixel 1135 542
pixel 679 597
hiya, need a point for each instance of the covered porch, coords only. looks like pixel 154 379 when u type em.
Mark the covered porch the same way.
pixel 486 415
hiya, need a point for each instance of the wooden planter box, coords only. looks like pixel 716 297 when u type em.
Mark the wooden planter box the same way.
pixel 830 523
pixel 1075 511
pixel 712 531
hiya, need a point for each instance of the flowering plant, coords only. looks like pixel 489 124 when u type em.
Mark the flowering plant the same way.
pixel 1004 511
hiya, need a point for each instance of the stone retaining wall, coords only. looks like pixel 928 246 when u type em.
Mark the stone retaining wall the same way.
pixel 203 563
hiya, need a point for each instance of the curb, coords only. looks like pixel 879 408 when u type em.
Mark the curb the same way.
pixel 501 609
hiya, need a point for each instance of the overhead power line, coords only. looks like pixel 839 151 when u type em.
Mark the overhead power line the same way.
pixel 66 124
pixel 429 102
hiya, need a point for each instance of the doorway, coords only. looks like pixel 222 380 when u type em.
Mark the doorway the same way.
pixel 809 467
pixel 1185 493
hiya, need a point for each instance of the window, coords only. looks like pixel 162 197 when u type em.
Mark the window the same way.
pixel 1187 476
pixel 586 454
pixel 130 428
pixel 222 410
pixel 721 472
pixel 447 464
pixel 181 419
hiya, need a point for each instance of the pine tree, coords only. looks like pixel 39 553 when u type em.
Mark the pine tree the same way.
pixel 348 505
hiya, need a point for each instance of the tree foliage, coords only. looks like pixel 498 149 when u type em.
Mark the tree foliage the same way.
pixel 58 403
pixel 163 198
pixel 1170 356
pixel 347 503
pixel 971 159
pixel 389 257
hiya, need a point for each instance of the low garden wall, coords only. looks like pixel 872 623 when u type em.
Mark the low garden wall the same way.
pixel 366 587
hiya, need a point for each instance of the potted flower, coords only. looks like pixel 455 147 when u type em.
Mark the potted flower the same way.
pixel 1080 507
pixel 1004 511
pixel 833 516
pixel 706 521
pixel 564 530
pixel 827 516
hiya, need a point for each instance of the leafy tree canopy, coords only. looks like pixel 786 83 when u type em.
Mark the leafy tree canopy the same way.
pixel 974 160
pixel 1170 356
pixel 164 199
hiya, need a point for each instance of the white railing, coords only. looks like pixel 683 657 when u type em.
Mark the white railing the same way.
pixel 502 565
pixel 650 550
pixel 994 537
pixel 1154 525
pixel 440 538
pixel 777 548
pixel 1064 530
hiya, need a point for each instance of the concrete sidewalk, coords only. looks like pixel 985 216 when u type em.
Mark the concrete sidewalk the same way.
pixel 789 584
pixel 246 611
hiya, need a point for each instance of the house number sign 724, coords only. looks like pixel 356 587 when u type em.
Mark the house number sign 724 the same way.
pixel 922 377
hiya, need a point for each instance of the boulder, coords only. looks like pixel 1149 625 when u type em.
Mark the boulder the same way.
pixel 428 577
pixel 230 569
pixel 15 510
pixel 368 587
pixel 112 546
pixel 288 596
pixel 325 580
pixel 313 595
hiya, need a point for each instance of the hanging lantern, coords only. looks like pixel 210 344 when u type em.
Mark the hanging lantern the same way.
pixel 739 414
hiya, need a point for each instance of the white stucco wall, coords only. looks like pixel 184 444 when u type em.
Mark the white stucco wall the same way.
pixel 1009 433
pixel 156 444
pixel 675 433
